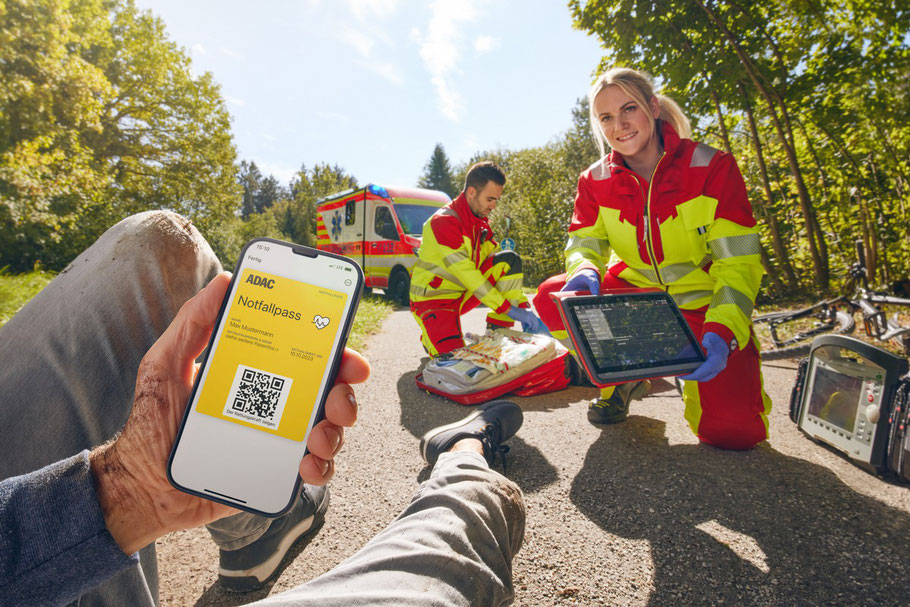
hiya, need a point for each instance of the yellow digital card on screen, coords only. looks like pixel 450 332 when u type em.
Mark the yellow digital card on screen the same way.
pixel 274 348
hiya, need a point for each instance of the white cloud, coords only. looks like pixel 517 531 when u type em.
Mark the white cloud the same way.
pixel 359 40
pixel 235 101
pixel 388 71
pixel 485 44
pixel 282 173
pixel 439 50
pixel 364 9
pixel 198 49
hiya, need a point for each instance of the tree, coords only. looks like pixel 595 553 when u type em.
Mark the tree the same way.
pixel 437 174
pixel 296 217
pixel 100 117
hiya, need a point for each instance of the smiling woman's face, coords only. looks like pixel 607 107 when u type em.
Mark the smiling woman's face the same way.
pixel 626 124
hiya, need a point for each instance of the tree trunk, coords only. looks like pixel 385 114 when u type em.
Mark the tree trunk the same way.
pixel 805 201
pixel 777 242
pixel 720 118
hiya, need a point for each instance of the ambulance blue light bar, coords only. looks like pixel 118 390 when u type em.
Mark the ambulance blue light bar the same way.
pixel 378 190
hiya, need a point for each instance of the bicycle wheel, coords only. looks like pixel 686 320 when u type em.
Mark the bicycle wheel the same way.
pixel 790 334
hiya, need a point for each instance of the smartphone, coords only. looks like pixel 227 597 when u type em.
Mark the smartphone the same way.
pixel 262 385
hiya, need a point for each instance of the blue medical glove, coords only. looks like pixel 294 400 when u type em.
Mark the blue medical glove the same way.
pixel 717 352
pixel 584 280
pixel 530 323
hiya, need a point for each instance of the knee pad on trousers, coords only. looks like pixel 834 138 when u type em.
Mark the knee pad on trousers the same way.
pixel 511 258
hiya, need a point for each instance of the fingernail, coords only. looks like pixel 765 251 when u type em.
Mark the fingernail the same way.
pixel 351 399
pixel 335 439
pixel 324 466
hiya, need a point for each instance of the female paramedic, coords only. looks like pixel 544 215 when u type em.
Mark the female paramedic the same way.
pixel 674 214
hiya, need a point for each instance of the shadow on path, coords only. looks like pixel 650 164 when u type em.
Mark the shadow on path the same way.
pixel 739 528
pixel 422 411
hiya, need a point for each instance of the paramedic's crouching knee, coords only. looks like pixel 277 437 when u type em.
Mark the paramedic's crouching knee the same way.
pixel 510 258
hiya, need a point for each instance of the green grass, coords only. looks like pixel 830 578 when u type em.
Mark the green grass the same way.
pixel 372 311
pixel 17 289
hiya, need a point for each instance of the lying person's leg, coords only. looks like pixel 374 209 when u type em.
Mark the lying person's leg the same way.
pixel 454 544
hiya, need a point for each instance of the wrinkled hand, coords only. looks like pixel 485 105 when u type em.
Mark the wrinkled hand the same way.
pixel 138 502
pixel 717 352
pixel 584 280
pixel 530 322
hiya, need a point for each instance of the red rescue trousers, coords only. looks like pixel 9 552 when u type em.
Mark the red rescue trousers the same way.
pixel 729 411
pixel 440 319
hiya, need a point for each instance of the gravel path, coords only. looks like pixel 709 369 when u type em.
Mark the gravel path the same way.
pixel 633 514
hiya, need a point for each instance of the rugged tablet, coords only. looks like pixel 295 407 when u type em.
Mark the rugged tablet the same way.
pixel 629 335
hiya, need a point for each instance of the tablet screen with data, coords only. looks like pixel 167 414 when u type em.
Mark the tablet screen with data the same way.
pixel 630 336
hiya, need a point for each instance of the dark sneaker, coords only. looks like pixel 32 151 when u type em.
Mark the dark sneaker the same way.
pixel 616 408
pixel 250 567
pixel 492 424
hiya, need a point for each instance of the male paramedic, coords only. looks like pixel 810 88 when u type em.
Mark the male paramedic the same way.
pixel 459 267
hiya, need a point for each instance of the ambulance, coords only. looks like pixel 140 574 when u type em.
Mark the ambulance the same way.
pixel 379 228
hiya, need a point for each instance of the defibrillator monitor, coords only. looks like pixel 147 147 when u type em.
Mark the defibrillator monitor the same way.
pixel 631 335
pixel 846 399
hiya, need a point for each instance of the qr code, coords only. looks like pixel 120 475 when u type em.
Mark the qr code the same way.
pixel 257 397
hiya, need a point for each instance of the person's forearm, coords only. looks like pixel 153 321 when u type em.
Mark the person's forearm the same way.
pixel 125 504
pixel 54 543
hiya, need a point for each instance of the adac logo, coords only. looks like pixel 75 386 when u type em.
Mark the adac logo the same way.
pixel 336 226
pixel 260 281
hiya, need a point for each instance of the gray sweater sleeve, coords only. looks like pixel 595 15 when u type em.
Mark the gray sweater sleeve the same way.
pixel 53 542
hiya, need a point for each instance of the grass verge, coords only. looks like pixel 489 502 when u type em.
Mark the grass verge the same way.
pixel 17 289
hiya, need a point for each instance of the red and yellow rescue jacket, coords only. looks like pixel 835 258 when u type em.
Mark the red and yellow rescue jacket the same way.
pixel 690 231
pixel 455 244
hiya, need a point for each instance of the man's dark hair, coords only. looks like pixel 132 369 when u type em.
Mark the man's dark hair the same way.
pixel 483 172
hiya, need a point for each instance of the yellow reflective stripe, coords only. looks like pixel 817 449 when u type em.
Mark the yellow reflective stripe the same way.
pixel 482 290
pixel 674 272
pixel 735 246
pixel 430 292
pixel 511 284
pixel 579 242
pixel 451 260
pixel 647 273
pixel 437 271
pixel 682 299
pixel 729 295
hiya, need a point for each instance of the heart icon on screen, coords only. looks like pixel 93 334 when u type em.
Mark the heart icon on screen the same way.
pixel 321 322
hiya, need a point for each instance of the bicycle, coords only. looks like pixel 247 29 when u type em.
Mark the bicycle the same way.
pixel 790 333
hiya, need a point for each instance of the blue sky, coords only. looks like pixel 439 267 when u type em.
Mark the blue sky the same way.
pixel 373 85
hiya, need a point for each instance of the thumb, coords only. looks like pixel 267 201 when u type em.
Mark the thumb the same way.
pixel 190 330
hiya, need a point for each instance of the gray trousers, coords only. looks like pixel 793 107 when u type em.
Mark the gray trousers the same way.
pixel 68 364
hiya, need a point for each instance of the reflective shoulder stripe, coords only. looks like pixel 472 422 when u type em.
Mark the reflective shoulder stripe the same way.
pixel 447 212
pixel 702 155
pixel 600 170
pixel 682 299
pixel 729 295
pixel 735 246
pixel 578 242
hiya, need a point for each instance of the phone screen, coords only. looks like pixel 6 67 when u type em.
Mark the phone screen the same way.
pixel 266 375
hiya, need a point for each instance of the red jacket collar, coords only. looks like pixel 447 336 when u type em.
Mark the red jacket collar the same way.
pixel 668 135
pixel 461 206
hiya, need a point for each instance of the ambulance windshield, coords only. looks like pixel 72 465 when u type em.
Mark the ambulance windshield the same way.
pixel 413 216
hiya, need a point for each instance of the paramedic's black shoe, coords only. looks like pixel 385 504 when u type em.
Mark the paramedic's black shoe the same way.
pixel 250 568
pixel 615 409
pixel 492 424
